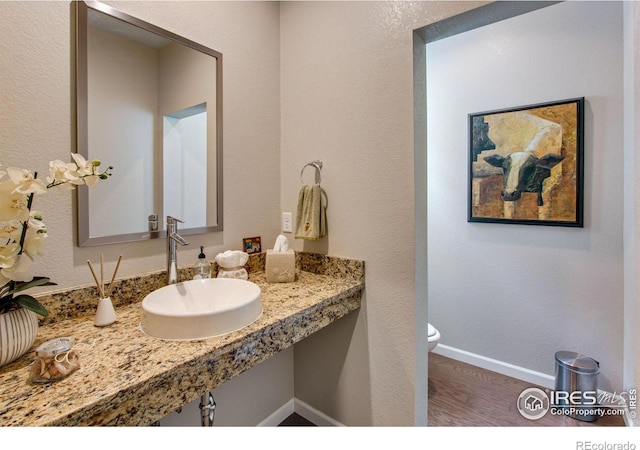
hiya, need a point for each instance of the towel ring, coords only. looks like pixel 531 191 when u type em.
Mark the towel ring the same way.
pixel 317 165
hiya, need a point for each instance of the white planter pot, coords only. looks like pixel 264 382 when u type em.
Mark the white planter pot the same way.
pixel 18 330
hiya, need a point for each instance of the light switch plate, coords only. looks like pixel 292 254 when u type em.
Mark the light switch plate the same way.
pixel 287 226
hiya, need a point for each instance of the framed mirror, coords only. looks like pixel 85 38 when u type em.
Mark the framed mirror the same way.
pixel 149 103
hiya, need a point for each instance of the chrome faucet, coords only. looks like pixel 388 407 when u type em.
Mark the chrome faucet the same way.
pixel 172 251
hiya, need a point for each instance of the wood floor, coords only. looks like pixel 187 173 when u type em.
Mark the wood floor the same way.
pixel 464 395
pixel 296 420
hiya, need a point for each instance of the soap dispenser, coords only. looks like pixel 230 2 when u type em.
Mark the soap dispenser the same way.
pixel 202 267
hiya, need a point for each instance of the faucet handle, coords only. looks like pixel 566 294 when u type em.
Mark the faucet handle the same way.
pixel 171 219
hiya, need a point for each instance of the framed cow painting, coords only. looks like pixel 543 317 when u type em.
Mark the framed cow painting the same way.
pixel 526 164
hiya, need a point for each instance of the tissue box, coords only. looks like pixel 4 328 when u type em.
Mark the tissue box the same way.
pixel 280 267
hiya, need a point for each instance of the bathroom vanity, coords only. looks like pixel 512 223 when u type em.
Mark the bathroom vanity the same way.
pixel 130 379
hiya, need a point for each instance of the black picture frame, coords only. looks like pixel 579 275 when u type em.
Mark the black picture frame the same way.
pixel 526 164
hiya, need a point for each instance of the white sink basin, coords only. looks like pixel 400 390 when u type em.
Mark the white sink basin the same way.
pixel 200 309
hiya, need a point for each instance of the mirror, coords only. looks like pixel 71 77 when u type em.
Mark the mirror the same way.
pixel 149 103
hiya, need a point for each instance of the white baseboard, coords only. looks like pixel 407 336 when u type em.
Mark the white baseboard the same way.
pixel 317 417
pixel 279 415
pixel 305 410
pixel 530 376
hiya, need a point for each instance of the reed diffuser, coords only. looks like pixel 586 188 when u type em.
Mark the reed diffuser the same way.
pixel 105 314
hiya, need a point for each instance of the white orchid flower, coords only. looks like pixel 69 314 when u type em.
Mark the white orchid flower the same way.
pixel 8 255
pixel 10 231
pixel 91 180
pixel 13 205
pixel 35 220
pixel 25 182
pixel 35 241
pixel 23 234
pixel 63 173
pixel 20 271
pixel 36 236
pixel 85 167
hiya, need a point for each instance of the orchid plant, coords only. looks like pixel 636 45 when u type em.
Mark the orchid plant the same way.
pixel 22 231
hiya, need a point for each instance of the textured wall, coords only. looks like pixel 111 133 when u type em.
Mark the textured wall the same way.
pixel 347 100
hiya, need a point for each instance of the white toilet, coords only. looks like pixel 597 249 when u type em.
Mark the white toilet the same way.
pixel 434 336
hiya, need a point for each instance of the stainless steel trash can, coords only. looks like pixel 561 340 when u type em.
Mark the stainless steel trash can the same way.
pixel 576 391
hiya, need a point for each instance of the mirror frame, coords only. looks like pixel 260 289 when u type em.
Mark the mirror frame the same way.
pixel 82 196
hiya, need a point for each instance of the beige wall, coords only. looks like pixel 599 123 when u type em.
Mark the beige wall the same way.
pixel 347 100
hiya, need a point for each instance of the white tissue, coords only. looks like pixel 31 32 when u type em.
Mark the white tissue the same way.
pixel 281 245
pixel 232 258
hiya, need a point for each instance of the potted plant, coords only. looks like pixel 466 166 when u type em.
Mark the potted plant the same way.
pixel 22 238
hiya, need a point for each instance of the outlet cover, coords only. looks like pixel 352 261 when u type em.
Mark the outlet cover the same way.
pixel 287 225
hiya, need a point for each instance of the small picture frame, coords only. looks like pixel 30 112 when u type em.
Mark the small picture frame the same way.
pixel 526 164
pixel 252 245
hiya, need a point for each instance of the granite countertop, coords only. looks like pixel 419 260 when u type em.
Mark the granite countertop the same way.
pixel 128 378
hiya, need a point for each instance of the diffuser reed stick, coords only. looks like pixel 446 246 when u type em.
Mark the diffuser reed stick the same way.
pixel 102 273
pixel 114 276
pixel 98 285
